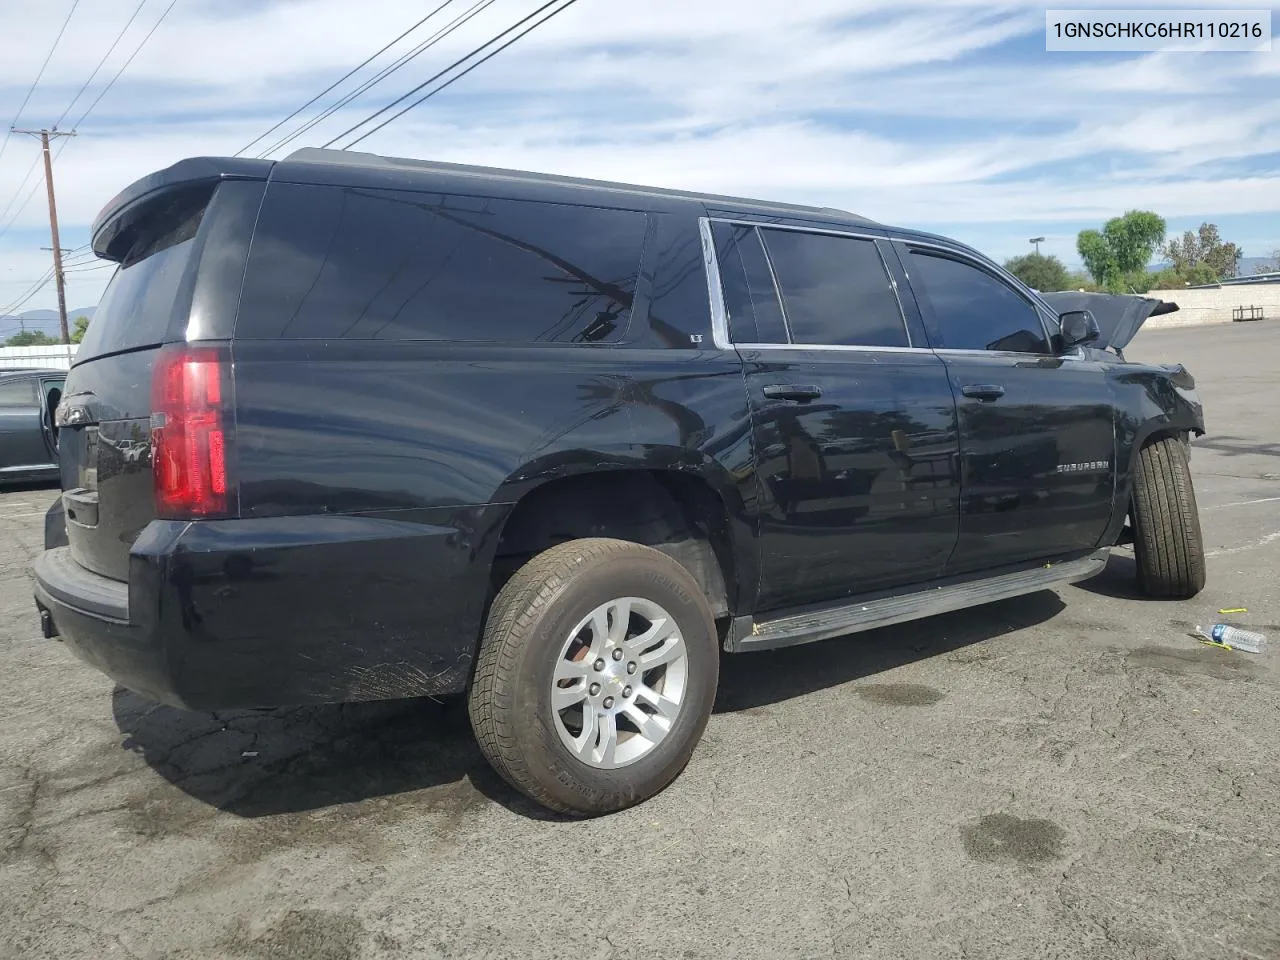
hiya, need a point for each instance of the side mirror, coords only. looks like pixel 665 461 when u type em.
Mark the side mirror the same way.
pixel 1078 326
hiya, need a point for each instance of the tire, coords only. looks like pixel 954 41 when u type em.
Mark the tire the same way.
pixel 543 626
pixel 1166 538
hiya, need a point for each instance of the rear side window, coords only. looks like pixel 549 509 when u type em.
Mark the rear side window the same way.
pixel 153 283
pixel 835 289
pixel 969 309
pixel 17 393
pixel 751 299
pixel 363 264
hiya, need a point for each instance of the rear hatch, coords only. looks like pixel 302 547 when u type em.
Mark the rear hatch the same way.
pixel 181 247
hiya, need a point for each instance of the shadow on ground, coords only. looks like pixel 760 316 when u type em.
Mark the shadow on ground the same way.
pixel 255 763
pixel 26 486
pixel 757 679
pixel 1118 579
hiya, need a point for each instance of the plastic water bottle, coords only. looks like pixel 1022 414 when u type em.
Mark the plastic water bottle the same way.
pixel 1233 638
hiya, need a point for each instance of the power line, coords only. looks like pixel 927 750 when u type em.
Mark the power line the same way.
pixel 454 79
pixel 110 50
pixel 34 190
pixel 35 288
pixel 341 80
pixel 36 82
pixel 17 193
pixel 456 63
pixel 136 51
pixel 29 293
pixel 105 90
pixel 373 81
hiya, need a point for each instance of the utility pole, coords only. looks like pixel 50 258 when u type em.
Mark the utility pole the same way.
pixel 44 136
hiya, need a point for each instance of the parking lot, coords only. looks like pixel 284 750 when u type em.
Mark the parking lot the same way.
pixel 1067 774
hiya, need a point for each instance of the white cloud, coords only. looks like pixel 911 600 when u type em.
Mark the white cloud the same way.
pixel 895 109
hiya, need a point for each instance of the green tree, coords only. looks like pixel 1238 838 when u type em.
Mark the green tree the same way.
pixel 1040 272
pixel 1271 267
pixel 1205 246
pixel 1080 280
pixel 1117 256
pixel 30 338
pixel 1171 277
pixel 82 325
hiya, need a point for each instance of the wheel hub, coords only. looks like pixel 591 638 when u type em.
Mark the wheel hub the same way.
pixel 619 683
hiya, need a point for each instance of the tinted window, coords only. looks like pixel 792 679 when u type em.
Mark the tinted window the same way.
pixel 751 300
pixel 153 285
pixel 835 290
pixel 139 302
pixel 972 310
pixel 17 393
pixel 392 265
pixel 679 309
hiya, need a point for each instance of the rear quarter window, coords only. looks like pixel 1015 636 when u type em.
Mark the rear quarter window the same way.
pixel 367 264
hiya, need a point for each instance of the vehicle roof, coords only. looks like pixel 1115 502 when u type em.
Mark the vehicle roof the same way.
pixel 366 169
pixel 13 373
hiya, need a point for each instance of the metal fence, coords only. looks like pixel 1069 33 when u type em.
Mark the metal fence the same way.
pixel 58 356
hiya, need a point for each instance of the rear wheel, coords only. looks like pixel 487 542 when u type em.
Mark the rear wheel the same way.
pixel 596 675
pixel 1166 538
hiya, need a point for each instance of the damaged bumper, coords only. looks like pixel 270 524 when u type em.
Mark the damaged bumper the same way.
pixel 228 614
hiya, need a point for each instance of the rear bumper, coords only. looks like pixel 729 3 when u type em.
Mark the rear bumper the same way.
pixel 91 614
pixel 273 612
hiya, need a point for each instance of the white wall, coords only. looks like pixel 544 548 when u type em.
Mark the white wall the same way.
pixel 1214 304
pixel 58 356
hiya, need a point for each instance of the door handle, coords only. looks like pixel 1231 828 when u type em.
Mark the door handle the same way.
pixel 983 391
pixel 795 392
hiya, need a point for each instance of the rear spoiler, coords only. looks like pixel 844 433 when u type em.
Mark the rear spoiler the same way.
pixel 184 174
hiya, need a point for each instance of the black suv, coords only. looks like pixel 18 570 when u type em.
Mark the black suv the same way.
pixel 352 428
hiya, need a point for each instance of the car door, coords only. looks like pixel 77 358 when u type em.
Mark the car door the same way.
pixel 22 444
pixel 1037 433
pixel 854 425
pixel 50 396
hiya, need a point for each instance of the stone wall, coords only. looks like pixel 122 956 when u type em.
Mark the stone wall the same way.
pixel 1214 304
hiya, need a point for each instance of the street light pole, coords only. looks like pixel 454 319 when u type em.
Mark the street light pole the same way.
pixel 1037 241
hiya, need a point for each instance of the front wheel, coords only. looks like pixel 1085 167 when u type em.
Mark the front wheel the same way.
pixel 595 676
pixel 1167 542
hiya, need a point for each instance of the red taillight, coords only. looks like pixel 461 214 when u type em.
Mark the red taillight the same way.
pixel 188 432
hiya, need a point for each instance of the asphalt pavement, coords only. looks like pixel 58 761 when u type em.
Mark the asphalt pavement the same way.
pixel 1066 774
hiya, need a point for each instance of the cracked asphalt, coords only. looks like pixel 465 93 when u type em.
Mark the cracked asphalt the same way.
pixel 1067 774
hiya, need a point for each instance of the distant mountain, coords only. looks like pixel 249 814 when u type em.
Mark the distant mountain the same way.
pixel 1248 266
pixel 1245 266
pixel 46 321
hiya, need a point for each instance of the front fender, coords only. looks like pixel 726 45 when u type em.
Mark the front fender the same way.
pixel 1151 402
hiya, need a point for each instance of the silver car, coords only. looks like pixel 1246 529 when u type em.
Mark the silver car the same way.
pixel 28 433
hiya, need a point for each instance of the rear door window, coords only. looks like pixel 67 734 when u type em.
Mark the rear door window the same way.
pixel 17 393
pixel 836 290
pixel 967 308
pixel 152 288
pixel 364 264
pixel 751 299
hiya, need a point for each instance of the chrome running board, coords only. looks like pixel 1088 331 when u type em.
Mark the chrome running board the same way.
pixel 834 620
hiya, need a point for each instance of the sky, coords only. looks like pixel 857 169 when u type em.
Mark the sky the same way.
pixel 943 115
